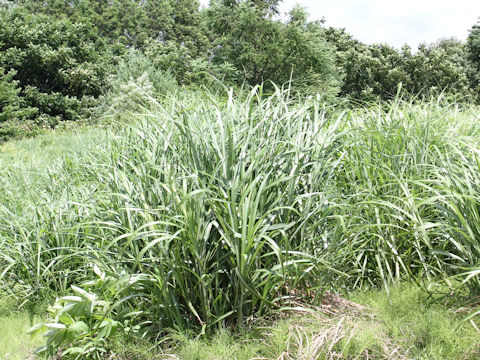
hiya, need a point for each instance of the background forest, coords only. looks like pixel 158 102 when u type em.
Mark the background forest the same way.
pixel 62 60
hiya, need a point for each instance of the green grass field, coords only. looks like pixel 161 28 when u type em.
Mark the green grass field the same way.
pixel 14 341
pixel 198 223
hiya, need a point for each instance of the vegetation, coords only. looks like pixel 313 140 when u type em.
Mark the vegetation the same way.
pixel 13 112
pixel 405 325
pixel 240 168
pixel 14 343
pixel 64 55
pixel 473 55
pixel 204 214
pixel 265 50
pixel 59 66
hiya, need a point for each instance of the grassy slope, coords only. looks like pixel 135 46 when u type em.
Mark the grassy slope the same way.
pixel 42 150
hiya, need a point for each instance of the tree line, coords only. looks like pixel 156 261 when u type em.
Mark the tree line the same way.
pixel 59 58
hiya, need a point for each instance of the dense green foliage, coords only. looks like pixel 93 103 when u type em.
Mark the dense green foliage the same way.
pixel 226 183
pixel 65 55
pixel 13 111
pixel 473 51
pixel 61 67
pixel 131 22
pixel 266 50
pixel 11 106
pixel 374 72
pixel 205 213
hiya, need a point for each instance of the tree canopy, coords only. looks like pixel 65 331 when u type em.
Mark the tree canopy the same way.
pixel 61 57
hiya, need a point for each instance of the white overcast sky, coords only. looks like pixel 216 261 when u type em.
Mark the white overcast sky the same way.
pixel 394 22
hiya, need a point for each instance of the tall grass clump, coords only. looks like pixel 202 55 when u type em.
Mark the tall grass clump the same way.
pixel 202 212
pixel 401 171
pixel 213 202
pixel 43 202
pixel 209 203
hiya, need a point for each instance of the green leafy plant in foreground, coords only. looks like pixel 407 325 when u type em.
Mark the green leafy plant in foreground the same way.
pixel 83 323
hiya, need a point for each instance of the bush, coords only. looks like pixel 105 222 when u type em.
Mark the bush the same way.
pixel 83 324
pixel 13 111
pixel 61 67
pixel 136 83
pixel 135 65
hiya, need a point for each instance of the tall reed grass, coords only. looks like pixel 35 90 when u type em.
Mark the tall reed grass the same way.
pixel 219 210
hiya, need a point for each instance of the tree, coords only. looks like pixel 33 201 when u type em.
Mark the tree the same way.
pixel 189 28
pixel 374 72
pixel 13 111
pixel 307 57
pixel 371 73
pixel 442 66
pixel 118 20
pixel 263 49
pixel 131 22
pixel 245 36
pixel 473 53
pixel 60 66
pixel 266 6
pixel 12 106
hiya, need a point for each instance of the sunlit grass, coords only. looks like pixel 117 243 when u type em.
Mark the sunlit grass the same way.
pixel 423 327
pixel 15 344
